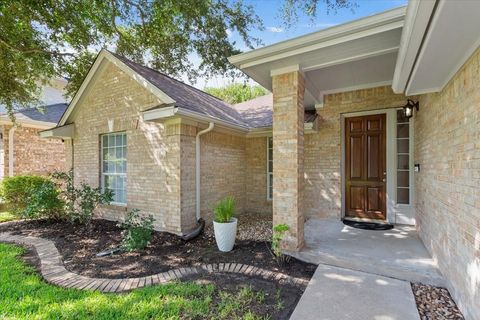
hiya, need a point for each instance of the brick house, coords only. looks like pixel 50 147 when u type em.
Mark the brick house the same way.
pixel 22 150
pixel 338 138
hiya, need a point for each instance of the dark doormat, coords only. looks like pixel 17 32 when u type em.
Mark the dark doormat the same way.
pixel 368 225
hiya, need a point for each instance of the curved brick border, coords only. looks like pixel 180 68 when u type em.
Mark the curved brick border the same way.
pixel 53 271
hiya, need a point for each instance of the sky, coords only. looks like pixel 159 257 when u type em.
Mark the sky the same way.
pixel 275 31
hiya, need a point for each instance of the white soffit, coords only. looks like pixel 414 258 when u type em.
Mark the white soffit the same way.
pixel 452 36
pixel 340 49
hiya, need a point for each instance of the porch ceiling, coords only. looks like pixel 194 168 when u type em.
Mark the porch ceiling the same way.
pixel 359 54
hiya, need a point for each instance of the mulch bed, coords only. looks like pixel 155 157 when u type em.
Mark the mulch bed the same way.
pixel 279 299
pixel 435 303
pixel 79 244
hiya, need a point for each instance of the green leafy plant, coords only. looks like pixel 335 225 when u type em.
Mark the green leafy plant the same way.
pixel 45 202
pixel 138 231
pixel 224 210
pixel 18 191
pixel 80 202
pixel 278 233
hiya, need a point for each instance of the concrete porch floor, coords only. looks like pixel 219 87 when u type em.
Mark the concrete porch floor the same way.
pixel 398 253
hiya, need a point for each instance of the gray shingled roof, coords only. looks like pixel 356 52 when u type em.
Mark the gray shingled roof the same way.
pixel 258 112
pixel 51 113
pixel 255 113
pixel 187 96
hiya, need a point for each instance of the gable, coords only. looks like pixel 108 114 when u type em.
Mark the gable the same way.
pixel 103 60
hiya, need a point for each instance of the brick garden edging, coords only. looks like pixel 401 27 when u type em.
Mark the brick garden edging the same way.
pixel 54 272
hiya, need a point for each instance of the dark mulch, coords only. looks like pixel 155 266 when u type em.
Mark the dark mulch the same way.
pixel 79 244
pixel 271 300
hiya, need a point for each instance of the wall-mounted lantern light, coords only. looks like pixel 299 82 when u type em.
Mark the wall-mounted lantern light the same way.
pixel 408 108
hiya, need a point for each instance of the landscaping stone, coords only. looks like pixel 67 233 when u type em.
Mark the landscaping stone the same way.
pixel 435 303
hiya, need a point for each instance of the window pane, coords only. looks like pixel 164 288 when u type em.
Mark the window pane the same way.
pixel 114 165
pixel 403 179
pixel 403 160
pixel 403 196
pixel 402 130
pixel 402 146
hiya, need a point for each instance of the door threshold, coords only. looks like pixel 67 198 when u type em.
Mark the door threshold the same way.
pixel 357 219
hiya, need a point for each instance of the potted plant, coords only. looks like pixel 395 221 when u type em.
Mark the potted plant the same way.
pixel 225 224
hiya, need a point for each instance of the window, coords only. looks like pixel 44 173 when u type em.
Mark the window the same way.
pixel 269 168
pixel 114 165
pixel 403 158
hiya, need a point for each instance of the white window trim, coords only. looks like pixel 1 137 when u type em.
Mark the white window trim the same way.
pixel 268 172
pixel 102 174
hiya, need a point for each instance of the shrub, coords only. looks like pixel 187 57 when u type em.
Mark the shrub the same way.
pixel 278 233
pixel 80 203
pixel 17 191
pixel 137 231
pixel 45 202
pixel 224 210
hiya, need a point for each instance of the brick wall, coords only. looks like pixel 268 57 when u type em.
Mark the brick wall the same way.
pixel 288 156
pixel 256 176
pixel 160 157
pixel 222 170
pixel 323 153
pixel 447 146
pixel 32 154
pixel 153 150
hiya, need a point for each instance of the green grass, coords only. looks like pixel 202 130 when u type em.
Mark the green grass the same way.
pixel 6 216
pixel 24 295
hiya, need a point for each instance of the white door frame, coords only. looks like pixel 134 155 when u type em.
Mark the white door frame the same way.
pixel 395 213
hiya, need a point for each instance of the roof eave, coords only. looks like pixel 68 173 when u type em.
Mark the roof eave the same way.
pixel 342 33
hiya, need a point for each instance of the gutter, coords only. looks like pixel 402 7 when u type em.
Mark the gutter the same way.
pixel 168 112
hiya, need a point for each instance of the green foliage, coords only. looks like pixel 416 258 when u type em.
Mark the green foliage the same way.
pixel 17 191
pixel 7 216
pixel 291 8
pixel 237 92
pixel 43 39
pixel 80 202
pixel 24 295
pixel 45 202
pixel 278 233
pixel 224 210
pixel 237 305
pixel 137 232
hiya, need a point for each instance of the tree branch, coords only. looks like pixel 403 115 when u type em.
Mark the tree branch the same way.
pixel 35 50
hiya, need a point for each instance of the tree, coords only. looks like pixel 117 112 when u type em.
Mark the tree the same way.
pixel 237 92
pixel 43 39
pixel 291 8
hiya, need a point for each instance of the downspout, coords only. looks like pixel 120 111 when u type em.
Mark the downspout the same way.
pixel 10 151
pixel 197 167
pixel 201 223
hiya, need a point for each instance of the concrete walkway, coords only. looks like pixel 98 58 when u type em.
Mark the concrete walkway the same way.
pixel 336 293
pixel 398 253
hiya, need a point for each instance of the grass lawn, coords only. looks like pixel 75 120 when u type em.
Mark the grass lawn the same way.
pixel 23 295
pixel 6 216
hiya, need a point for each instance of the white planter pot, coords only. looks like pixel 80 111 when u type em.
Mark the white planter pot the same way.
pixel 225 234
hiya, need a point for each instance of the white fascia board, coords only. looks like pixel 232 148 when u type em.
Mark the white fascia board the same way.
pixel 354 88
pixel 382 22
pixel 169 112
pixel 102 56
pixel 64 132
pixel 419 13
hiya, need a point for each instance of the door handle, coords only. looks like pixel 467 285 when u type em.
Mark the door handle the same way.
pixel 384 180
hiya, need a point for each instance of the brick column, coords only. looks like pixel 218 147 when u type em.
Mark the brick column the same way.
pixel 288 178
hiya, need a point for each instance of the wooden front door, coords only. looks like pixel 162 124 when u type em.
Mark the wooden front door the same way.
pixel 365 167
